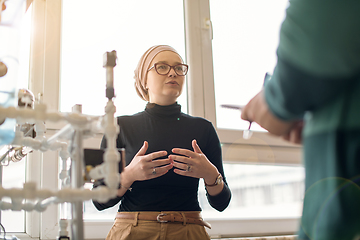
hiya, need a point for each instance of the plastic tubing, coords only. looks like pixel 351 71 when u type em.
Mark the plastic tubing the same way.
pixel 39 113
pixel 111 155
pixel 17 195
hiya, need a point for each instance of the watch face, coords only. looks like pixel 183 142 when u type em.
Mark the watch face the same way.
pixel 218 180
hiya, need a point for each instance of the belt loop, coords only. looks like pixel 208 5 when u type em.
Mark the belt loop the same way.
pixel 136 219
pixel 184 218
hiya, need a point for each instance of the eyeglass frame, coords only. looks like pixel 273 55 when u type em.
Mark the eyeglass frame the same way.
pixel 154 66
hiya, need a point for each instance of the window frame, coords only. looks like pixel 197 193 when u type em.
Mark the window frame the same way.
pixel 42 168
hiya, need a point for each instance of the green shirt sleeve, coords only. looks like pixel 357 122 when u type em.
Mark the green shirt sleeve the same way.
pixel 318 56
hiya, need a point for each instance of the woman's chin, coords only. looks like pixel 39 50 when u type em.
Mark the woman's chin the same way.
pixel 173 94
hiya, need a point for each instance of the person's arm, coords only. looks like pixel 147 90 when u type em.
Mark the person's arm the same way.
pixel 317 60
pixel 102 206
pixel 291 91
pixel 218 196
pixel 317 57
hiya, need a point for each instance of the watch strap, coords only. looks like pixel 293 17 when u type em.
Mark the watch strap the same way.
pixel 218 178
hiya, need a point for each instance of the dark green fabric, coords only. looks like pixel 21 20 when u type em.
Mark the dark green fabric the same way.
pixel 289 100
pixel 322 36
pixel 317 78
pixel 332 197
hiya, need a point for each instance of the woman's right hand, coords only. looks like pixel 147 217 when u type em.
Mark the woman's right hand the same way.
pixel 142 167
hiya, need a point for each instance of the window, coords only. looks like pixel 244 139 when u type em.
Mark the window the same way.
pixel 244 50
pixel 85 37
pixel 260 191
pixel 245 38
pixel 263 152
pixel 130 28
pixel 13 176
pixel 14 52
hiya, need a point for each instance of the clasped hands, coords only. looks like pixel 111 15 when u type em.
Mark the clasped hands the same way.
pixel 187 163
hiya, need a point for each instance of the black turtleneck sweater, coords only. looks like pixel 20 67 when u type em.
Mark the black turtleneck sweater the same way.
pixel 165 128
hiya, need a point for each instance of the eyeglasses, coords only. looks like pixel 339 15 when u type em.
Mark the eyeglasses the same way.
pixel 164 69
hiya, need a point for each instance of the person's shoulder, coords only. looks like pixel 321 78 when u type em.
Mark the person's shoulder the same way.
pixel 127 118
pixel 130 116
pixel 195 119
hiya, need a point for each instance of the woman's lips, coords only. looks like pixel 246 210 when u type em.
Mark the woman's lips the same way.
pixel 172 83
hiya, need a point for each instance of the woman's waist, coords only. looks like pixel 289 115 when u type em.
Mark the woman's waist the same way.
pixel 193 217
pixel 168 184
pixel 160 203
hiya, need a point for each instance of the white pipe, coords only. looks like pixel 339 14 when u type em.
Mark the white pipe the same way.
pixel 29 190
pixel 5 205
pixel 39 143
pixel 16 204
pixel 98 172
pixel 40 114
pixel 63 133
pixel 85 125
pixel 111 155
pixel 41 206
pixel 64 173
pixel 101 194
pixel 21 193
pixel 63 223
pixel 76 179
pixel 65 180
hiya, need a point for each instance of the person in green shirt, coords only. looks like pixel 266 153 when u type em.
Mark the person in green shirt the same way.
pixel 313 98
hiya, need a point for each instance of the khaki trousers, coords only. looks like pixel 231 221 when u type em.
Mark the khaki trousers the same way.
pixel 129 229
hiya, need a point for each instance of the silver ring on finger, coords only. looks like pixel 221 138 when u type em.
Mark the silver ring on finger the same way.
pixel 154 171
pixel 188 169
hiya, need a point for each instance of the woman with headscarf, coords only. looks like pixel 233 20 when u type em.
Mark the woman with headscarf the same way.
pixel 167 153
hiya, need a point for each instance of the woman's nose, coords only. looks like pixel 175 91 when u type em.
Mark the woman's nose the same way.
pixel 172 72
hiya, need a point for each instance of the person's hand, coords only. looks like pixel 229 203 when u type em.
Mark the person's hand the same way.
pixel 258 111
pixel 193 163
pixel 142 167
pixel 295 134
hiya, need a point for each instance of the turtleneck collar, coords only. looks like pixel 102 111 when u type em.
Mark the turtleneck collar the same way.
pixel 164 112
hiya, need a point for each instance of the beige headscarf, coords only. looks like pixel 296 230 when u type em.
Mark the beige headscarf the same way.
pixel 143 66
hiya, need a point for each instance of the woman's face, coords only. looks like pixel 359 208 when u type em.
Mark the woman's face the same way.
pixel 165 89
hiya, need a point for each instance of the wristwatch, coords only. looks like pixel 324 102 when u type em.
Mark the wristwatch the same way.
pixel 218 181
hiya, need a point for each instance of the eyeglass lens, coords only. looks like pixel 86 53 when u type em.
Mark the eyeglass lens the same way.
pixel 164 69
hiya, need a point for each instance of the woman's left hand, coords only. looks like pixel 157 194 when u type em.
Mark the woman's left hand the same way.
pixel 194 163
